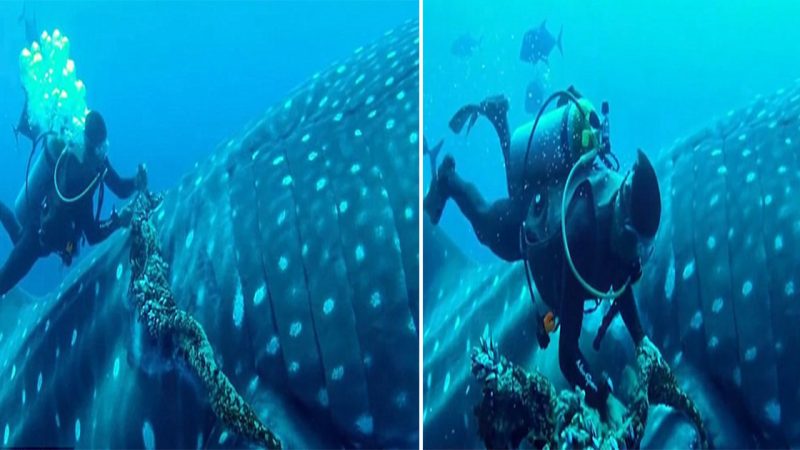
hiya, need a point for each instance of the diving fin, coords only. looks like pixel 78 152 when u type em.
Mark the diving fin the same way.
pixel 436 198
pixel 433 153
pixel 462 115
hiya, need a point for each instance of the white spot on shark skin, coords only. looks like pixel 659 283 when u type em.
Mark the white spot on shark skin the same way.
pixel 39 381
pixel 364 424
pixel 746 152
pixel 773 411
pixel 750 354
pixel 750 177
pixel 429 380
pixel 273 345
pixel 742 136
pixel 338 117
pixel 116 367
pixel 408 213
pixel 782 169
pixel 372 114
pixel 148 436
pixel 321 183
pixel 357 133
pixel 401 399
pixel 281 217
pixel 295 329
pixel 222 437
pixel 305 138
pixel 697 320
pixel 260 295
pixel 688 270
pixel 340 70
pixel 446 383
pixel 287 180
pixel 6 434
pixel 747 288
pixel 788 288
pixel 74 337
pixel 294 367
pixel 24 396
pixel 716 307
pixel 238 305
pixel 778 242
pixel 768 200
pixel 322 397
pixel 283 263
pixel 788 141
pixel 278 160
pixel 375 299
pixel 413 138
pixel 119 271
pixel 716 152
pixel 359 253
pixel 714 200
pixel 343 206
pixel 355 168
pixel 189 239
pixel 669 282
pixel 77 430
pixel 360 78
pixel 337 373
pixel 389 81
pixel 713 342
pixel 722 170
pixel 312 156
pixel 711 242
pixel 390 124
pixel 328 306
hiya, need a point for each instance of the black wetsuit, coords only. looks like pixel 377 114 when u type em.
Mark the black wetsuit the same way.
pixel 497 225
pixel 61 224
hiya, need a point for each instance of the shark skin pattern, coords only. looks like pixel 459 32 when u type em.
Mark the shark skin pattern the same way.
pixel 719 295
pixel 294 245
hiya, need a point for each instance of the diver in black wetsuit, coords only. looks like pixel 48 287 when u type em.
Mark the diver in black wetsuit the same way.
pixel 56 209
pixel 610 222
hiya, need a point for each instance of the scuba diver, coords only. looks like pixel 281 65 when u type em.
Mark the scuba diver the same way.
pixel 55 209
pixel 582 229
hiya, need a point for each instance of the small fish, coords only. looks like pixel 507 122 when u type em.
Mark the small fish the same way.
pixel 465 45
pixel 538 43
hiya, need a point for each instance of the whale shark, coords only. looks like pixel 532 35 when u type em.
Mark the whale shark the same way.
pixel 719 295
pixel 294 244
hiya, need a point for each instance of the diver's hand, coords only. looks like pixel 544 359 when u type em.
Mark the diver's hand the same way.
pixel 124 216
pixel 141 178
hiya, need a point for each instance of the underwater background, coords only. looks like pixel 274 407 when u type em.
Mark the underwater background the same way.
pixel 711 92
pixel 666 68
pixel 173 79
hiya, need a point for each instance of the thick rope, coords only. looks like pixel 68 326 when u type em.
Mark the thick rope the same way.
pixel 167 324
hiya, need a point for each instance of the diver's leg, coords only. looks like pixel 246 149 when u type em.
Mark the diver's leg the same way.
pixel 496 110
pixel 497 225
pixel 572 362
pixel 10 223
pixel 19 262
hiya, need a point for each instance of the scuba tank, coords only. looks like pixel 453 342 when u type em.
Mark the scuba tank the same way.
pixel 544 150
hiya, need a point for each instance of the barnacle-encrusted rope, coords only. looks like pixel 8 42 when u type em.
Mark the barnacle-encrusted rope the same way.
pixel 169 325
pixel 517 405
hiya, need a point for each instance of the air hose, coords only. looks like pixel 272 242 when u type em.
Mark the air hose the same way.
pixel 83 193
pixel 611 294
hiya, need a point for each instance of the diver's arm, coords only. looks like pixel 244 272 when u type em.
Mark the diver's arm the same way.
pixel 97 231
pixel 630 315
pixel 121 187
pixel 573 364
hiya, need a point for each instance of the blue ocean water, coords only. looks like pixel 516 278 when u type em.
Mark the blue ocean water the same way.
pixel 666 69
pixel 174 79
